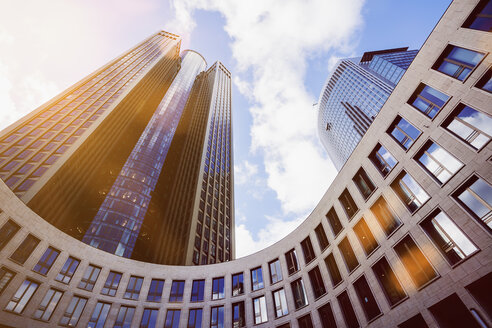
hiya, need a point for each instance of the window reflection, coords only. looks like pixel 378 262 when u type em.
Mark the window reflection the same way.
pixel 476 196
pixel 438 162
pixel 428 100
pixel 471 126
pixel 410 193
pixel 457 62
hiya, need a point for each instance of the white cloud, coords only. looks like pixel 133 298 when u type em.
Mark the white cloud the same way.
pixel 244 172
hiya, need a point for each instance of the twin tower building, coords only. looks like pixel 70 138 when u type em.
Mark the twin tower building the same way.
pixel 135 159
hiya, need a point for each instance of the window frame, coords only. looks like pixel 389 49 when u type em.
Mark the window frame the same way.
pixel 397 188
pixel 444 55
pixel 48 302
pixel 257 281
pixel 62 275
pixel 240 286
pixel 373 155
pixel 278 271
pixel 394 125
pixel 417 94
pixel 361 172
pixel 280 306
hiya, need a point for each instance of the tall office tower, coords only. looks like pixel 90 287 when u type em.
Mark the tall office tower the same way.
pixel 353 96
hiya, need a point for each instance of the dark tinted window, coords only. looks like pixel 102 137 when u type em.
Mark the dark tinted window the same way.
pixel 347 310
pixel 317 282
pixel 385 217
pixel 481 17
pixel 307 250
pixel 321 235
pixel 366 298
pixel 363 183
pixel 365 236
pixel 25 249
pixel 387 279
pixel 331 264
pixel 335 224
pixel 8 230
pixel 348 254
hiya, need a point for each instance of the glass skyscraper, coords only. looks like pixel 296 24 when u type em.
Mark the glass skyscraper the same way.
pixel 353 96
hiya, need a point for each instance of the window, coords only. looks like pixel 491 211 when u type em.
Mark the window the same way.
pixel 44 264
pixel 326 316
pixel 292 263
pixel 90 277
pixel 481 17
pixel 449 239
pixel 111 284
pixel 414 261
pixel 480 290
pixel 317 282
pixel 217 317
pixel 48 305
pixel 238 318
pixel 172 319
pixel 363 183
pixel 133 288
pixel 299 293
pixel 25 249
pixel 322 239
pixel 237 284
pixel 260 310
pixel 177 289
pixel 155 290
pixel 331 264
pixel 365 236
pixel 428 100
pixel 307 250
pixel 452 312
pixel 403 132
pixel 125 317
pixel 334 221
pixel 73 312
pixel 197 290
pixel 305 321
pixel 470 125
pixel 7 232
pixel 217 288
pixel 275 271
pixel 388 221
pixel 348 204
pixel 389 283
pixel 485 83
pixel 440 164
pixel 457 62
pixel 256 279
pixel 98 317
pixel 6 277
pixel 347 310
pixel 409 191
pixel 348 255
pixel 280 303
pixel 149 318
pixel 68 270
pixel 476 196
pixel 366 298
pixel 382 160
pixel 415 321
pixel 22 296
pixel 195 318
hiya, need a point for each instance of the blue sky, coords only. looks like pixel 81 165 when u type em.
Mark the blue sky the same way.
pixel 280 52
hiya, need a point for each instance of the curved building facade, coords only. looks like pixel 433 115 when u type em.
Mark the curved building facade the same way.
pixel 402 238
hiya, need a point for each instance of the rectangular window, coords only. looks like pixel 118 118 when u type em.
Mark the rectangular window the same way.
pixel 22 296
pixel 414 261
pixel 238 316
pixel 389 283
pixel 111 284
pixel 307 250
pixel 280 303
pixel 256 279
pixel 125 317
pixel 46 261
pixel 218 288
pixel 347 310
pixel 449 239
pixel 322 238
pixel 470 125
pixel 485 82
pixel 90 277
pixel 25 249
pixel 403 132
pixel 366 298
pixel 415 321
pixel 452 312
pixel 7 232
pixel 365 236
pixel 385 217
pixel 99 315
pixel 217 317
pixel 177 290
pixel 73 312
pixel 275 271
pixel 68 270
pixel 292 263
pixel 428 100
pixel 299 293
pixel 133 288
pixel 348 255
pixel 332 266
pixel 438 162
pixel 382 160
pixel 149 318
pixel 172 319
pixel 476 196
pixel 197 290
pixel 409 191
pixel 348 204
pixel 305 321
pixel 6 277
pixel 334 221
pixel 481 17
pixel 457 62
pixel 363 183
pixel 260 310
pixel 317 282
pixel 237 284
pixel 155 290
pixel 48 305
pixel 195 318
pixel 326 316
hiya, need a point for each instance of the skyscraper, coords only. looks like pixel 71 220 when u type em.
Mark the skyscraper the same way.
pixel 96 160
pixel 353 96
